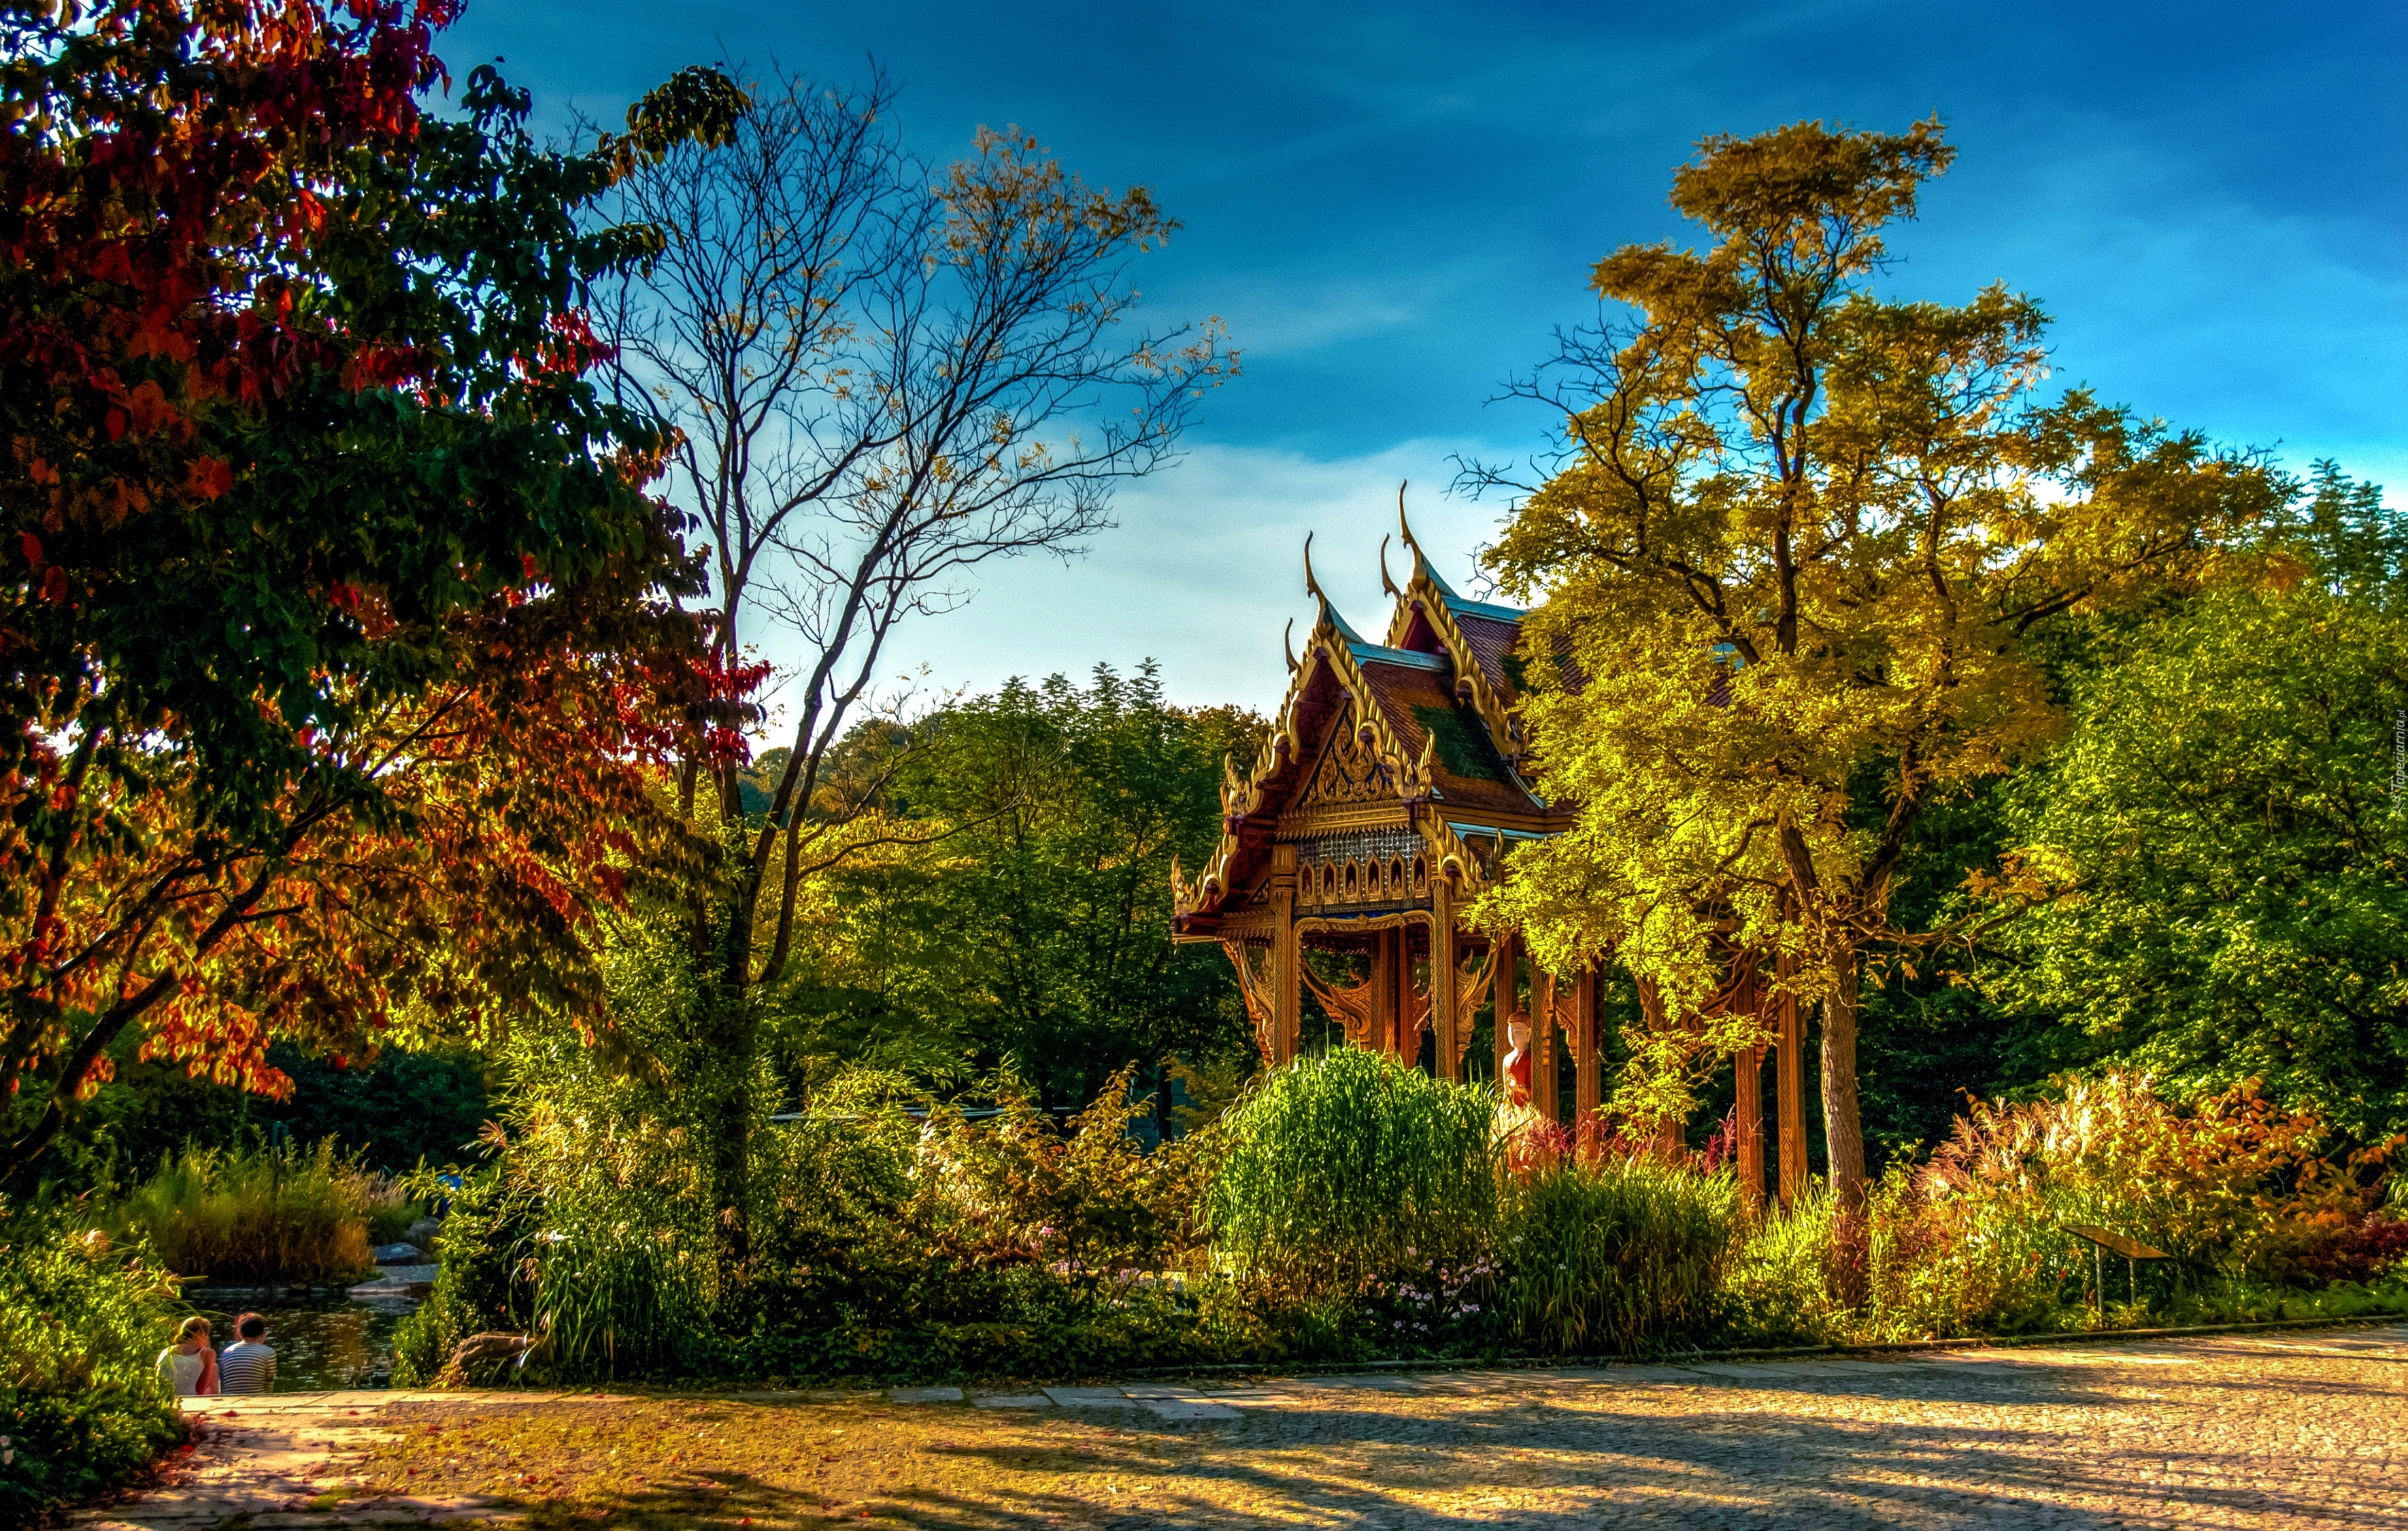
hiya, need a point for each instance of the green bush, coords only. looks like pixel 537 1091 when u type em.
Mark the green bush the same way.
pixel 81 1324
pixel 486 1241
pixel 1352 1172
pixel 266 1215
pixel 1620 1255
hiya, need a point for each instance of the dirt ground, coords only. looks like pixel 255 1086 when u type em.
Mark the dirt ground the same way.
pixel 2299 1429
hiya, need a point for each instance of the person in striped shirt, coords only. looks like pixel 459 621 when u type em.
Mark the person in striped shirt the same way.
pixel 248 1364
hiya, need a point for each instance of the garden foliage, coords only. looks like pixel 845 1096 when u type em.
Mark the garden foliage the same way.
pixel 81 1322
pixel 2239 1194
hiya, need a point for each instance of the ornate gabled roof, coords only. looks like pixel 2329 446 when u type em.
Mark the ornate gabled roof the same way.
pixel 1476 636
pixel 1432 708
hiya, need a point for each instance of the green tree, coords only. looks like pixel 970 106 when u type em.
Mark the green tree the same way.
pixel 1043 928
pixel 2226 827
pixel 1801 540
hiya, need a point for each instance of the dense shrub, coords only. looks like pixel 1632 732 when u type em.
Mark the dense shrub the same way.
pixel 2236 1192
pixel 486 1240
pixel 881 1242
pixel 81 1323
pixel 266 1214
pixel 1346 1208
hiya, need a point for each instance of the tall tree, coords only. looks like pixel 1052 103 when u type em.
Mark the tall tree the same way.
pixel 2225 838
pixel 1798 541
pixel 1072 803
pixel 1019 911
pixel 315 520
pixel 884 375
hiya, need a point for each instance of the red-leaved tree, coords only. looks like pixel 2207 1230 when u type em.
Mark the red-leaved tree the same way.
pixel 337 633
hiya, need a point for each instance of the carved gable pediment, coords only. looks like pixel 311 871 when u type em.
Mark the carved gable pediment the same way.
pixel 1347 785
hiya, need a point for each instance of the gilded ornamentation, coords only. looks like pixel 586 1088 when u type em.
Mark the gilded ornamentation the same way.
pixel 1350 1005
pixel 1254 984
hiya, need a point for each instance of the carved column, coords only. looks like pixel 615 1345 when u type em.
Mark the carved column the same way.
pixel 1542 1042
pixel 1504 993
pixel 1444 1020
pixel 1586 1086
pixel 1789 1080
pixel 1287 975
pixel 1384 1008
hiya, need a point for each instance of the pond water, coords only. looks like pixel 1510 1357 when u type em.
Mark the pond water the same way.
pixel 323 1340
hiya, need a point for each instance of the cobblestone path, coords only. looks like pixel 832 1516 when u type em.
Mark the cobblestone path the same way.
pixel 2292 1429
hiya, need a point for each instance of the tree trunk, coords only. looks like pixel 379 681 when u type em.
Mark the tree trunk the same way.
pixel 1844 1132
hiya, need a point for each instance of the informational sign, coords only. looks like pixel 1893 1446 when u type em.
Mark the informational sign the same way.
pixel 2113 1242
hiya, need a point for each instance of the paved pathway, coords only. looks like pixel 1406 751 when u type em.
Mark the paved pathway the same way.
pixel 2297 1428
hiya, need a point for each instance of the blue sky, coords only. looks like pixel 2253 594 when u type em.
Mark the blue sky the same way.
pixel 1392 205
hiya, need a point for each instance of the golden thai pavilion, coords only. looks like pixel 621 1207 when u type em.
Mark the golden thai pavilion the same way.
pixel 1383 805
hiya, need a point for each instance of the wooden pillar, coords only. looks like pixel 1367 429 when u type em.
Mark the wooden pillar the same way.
pixel 1504 993
pixel 1747 1117
pixel 1443 1020
pixel 1400 983
pixel 1542 1042
pixel 1789 1089
pixel 1586 1086
pixel 1287 978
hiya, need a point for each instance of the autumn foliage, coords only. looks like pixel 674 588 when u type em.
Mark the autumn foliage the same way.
pixel 336 618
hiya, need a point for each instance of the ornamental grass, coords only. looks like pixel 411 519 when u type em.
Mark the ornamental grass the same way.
pixel 1352 1170
pixel 265 1214
pixel 1624 1254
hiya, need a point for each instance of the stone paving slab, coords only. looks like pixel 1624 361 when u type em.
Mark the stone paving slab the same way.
pixel 924 1396
pixel 2231 1430
pixel 1088 1398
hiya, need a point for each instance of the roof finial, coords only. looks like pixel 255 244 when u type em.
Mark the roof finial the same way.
pixel 1404 525
pixel 1385 582
pixel 1312 586
pixel 1288 641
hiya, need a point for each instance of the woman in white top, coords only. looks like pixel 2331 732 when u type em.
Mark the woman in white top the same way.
pixel 188 1366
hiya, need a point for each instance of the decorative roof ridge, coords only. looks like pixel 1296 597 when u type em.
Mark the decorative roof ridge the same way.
pixel 1488 609
pixel 1438 605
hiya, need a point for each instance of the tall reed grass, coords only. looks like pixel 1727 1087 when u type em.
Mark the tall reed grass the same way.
pixel 1352 1168
pixel 1616 1256
pixel 266 1215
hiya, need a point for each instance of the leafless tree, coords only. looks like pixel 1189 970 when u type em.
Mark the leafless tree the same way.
pixel 886 374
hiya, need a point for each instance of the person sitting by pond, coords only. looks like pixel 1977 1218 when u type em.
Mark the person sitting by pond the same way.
pixel 248 1364
pixel 188 1366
